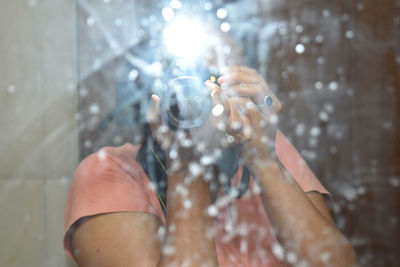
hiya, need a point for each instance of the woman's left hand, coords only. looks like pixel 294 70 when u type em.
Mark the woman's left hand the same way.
pixel 247 90
pixel 241 81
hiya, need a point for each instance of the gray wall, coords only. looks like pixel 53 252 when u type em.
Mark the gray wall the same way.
pixel 38 140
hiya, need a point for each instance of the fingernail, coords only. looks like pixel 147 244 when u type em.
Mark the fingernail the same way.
pixel 155 98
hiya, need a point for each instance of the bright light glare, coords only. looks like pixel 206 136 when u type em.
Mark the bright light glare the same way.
pixel 184 37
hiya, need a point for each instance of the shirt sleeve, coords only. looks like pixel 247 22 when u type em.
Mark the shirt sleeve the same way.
pixel 102 184
pixel 296 165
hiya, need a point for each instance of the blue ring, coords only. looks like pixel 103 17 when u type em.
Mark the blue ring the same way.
pixel 268 101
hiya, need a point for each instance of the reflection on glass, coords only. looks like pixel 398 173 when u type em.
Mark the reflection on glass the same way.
pixel 205 171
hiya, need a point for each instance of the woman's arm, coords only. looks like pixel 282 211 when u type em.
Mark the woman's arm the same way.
pixel 302 226
pixel 303 223
pixel 117 239
pixel 132 238
pixel 189 237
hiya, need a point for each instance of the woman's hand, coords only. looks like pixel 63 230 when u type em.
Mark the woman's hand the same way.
pixel 249 114
pixel 241 81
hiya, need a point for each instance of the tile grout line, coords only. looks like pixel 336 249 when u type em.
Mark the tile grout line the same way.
pixel 42 92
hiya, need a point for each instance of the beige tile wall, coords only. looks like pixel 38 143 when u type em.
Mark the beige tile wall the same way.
pixel 39 139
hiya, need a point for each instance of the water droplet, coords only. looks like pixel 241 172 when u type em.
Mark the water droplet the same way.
pixel 345 17
pixel 315 131
pixel 387 125
pixel 361 190
pixel 195 169
pixel 394 181
pixel 208 6
pixel 161 232
pixel 230 139
pixel 323 116
pixel 300 129
pixel 167 13
pixel 90 21
pixel 319 85
pixel 273 119
pixel 173 154
pixel 175 4
pixel 180 189
pixel 225 27
pixel 299 28
pixel 305 40
pixel 83 92
pixel 187 204
pixel 325 256
pixel 11 89
pixel 236 125
pixel 133 74
pixel 218 110
pixel 206 160
pixel 87 144
pixel 212 210
pixel 186 142
pixel 349 35
pixel 222 13
pixel 329 107
pixel 350 92
pixel 326 13
pixel 360 6
pixel 321 60
pixel 94 108
pixel 168 250
pixel 102 155
pixel 282 31
pixel 278 251
pixel 300 48
pixel 319 38
pixel 349 193
pixel 333 86
pixel 291 257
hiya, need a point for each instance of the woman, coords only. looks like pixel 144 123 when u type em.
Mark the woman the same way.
pixel 115 218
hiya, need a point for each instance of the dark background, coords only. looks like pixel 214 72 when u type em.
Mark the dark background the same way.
pixel 341 97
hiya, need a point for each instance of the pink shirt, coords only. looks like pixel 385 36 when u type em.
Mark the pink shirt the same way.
pixel 112 181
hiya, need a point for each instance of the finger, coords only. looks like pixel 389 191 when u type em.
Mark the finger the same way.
pixel 232 78
pixel 248 108
pixel 212 86
pixel 244 89
pixel 221 111
pixel 153 115
pixel 236 68
pixel 247 128
pixel 257 92
pixel 235 120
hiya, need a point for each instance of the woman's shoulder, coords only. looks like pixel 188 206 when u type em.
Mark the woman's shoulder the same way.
pixel 111 162
pixel 121 155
